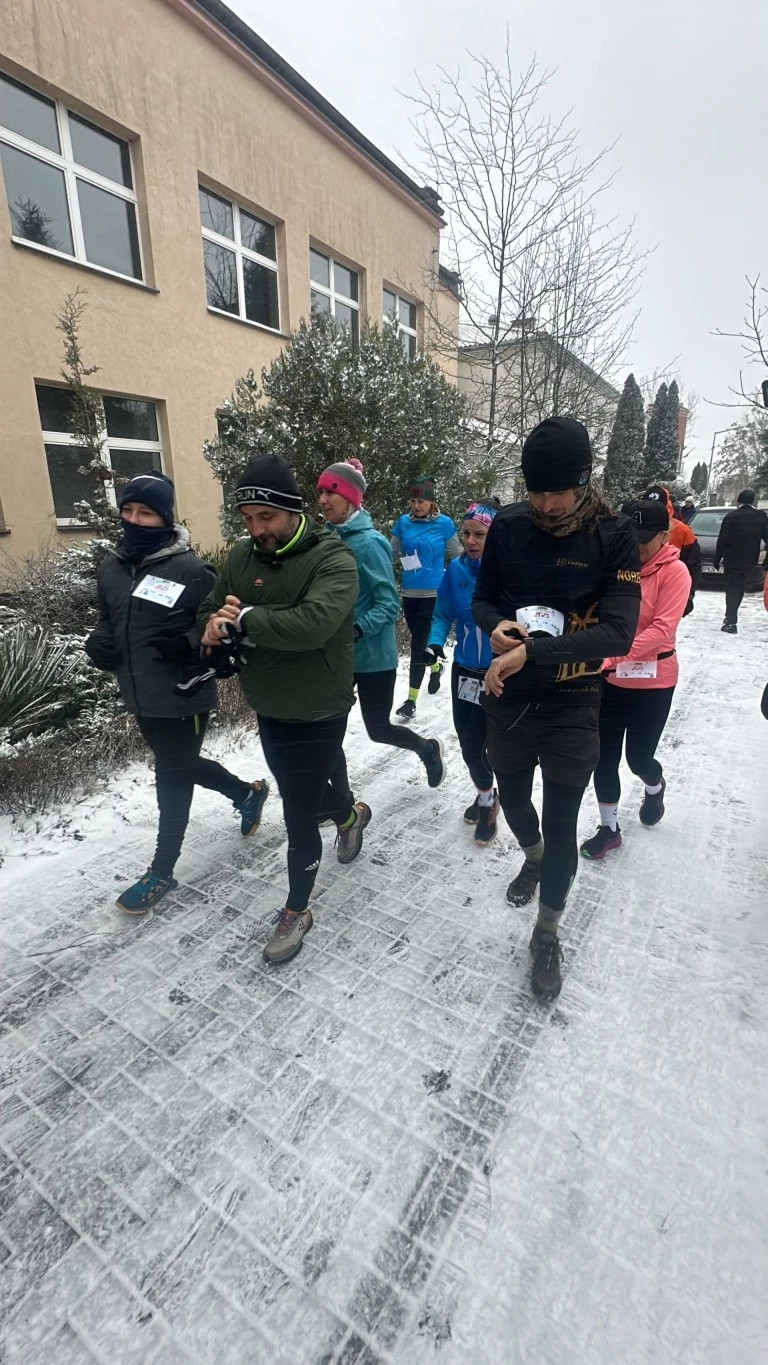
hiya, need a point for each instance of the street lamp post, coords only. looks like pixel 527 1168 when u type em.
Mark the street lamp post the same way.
pixel 721 432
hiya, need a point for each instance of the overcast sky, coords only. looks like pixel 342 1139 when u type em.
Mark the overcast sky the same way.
pixel 682 85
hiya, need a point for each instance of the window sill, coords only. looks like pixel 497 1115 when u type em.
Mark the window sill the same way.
pixel 246 322
pixel 5 530
pixel 67 526
pixel 83 265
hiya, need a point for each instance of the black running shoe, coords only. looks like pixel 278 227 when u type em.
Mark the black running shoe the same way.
pixel 435 678
pixel 485 829
pixel 471 814
pixel 522 889
pixel 407 710
pixel 728 629
pixel 433 761
pixel 601 843
pixel 546 980
pixel 652 808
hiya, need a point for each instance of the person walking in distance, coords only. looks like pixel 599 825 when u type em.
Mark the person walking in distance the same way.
pixel 149 591
pixel 289 591
pixel 640 686
pixel 681 537
pixel 471 658
pixel 341 489
pixel 742 531
pixel 420 540
pixel 558 591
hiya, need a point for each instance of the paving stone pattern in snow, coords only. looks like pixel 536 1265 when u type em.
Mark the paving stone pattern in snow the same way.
pixel 387 1151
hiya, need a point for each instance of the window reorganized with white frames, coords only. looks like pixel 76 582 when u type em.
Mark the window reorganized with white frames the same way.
pixel 240 261
pixel 131 446
pixel 335 290
pixel 402 314
pixel 69 184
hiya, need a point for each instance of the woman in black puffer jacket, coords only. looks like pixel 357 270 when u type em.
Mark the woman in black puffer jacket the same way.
pixel 149 590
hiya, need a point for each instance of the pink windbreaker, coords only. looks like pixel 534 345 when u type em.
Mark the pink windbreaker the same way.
pixel 665 586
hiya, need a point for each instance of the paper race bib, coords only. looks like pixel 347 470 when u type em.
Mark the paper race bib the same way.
pixel 541 618
pixel 160 590
pixel 636 668
pixel 469 689
pixel 410 562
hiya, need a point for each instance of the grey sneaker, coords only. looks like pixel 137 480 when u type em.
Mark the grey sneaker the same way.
pixel 350 841
pixel 288 938
pixel 547 953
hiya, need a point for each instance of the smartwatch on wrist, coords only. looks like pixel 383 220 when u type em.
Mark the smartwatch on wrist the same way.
pixel 530 649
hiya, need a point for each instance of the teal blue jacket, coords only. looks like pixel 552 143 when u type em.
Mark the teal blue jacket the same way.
pixel 378 602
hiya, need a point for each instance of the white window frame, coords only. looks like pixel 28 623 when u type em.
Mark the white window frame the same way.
pixel 241 252
pixel 395 321
pixel 331 292
pixel 73 171
pixel 66 438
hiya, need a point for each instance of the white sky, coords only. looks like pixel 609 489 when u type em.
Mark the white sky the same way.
pixel 682 85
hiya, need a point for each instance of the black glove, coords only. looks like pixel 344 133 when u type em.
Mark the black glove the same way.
pixel 688 607
pixel 102 654
pixel 173 649
pixel 432 653
pixel 357 633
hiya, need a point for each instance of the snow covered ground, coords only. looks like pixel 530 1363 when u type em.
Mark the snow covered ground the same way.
pixel 387 1151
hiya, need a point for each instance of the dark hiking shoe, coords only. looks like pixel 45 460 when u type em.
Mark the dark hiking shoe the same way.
pixel 546 980
pixel 435 678
pixel 652 808
pixel 601 843
pixel 251 808
pixel 471 814
pixel 522 889
pixel 350 841
pixel 729 629
pixel 433 761
pixel 144 893
pixel 288 938
pixel 407 711
pixel 485 829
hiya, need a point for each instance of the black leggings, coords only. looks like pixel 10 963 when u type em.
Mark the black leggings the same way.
pixel 179 769
pixel 302 756
pixel 375 693
pixel 418 618
pixel 469 724
pixel 559 815
pixel 640 713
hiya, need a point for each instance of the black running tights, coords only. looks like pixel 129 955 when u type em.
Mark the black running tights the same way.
pixel 375 693
pixel 418 618
pixel 179 768
pixel 639 714
pixel 559 815
pixel 469 724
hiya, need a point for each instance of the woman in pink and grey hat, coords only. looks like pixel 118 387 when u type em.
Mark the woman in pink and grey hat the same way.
pixel 341 489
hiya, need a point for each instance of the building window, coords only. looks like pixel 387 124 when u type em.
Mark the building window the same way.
pixel 335 290
pixel 69 184
pixel 128 428
pixel 240 261
pixel 403 315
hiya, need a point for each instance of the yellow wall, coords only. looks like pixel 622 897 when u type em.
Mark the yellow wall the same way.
pixel 198 108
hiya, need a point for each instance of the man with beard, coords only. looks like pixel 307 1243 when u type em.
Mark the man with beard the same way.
pixel 290 592
pixel 558 591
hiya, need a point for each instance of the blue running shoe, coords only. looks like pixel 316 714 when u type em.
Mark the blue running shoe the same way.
pixel 140 897
pixel 253 805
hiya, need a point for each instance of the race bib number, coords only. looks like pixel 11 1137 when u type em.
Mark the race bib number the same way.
pixel 470 689
pixel 636 668
pixel 160 590
pixel 410 562
pixel 541 618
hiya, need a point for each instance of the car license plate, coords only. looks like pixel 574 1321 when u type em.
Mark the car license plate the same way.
pixel 710 568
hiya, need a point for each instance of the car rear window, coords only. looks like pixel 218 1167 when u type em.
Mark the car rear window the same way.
pixel 707 523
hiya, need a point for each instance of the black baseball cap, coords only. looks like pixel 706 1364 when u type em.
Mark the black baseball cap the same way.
pixel 650 517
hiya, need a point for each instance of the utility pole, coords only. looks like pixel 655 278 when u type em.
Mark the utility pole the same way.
pixel 715 435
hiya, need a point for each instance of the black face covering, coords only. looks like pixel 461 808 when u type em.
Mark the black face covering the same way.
pixel 139 541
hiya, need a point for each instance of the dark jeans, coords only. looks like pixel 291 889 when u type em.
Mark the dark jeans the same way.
pixel 640 714
pixel 559 816
pixel 179 769
pixel 734 592
pixel 418 618
pixel 469 724
pixel 303 756
pixel 375 693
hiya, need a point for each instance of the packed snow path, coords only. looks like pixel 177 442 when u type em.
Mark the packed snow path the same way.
pixel 386 1150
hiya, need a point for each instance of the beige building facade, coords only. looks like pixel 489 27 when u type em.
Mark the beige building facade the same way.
pixel 160 157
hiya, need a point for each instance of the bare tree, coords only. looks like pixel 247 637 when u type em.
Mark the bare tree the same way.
pixel 754 343
pixel 546 284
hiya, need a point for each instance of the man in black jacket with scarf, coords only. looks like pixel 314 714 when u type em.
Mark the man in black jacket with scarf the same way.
pixel 742 532
pixel 558 591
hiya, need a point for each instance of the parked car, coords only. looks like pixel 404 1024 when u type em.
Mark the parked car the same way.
pixel 706 527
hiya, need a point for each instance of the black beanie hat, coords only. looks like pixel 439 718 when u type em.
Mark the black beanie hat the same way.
pixel 154 490
pixel 557 455
pixel 269 481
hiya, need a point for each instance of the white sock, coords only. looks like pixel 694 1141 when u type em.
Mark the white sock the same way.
pixel 609 815
pixel 485 798
pixel 653 791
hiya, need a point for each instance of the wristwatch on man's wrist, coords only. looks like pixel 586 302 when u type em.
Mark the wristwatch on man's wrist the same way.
pixel 529 651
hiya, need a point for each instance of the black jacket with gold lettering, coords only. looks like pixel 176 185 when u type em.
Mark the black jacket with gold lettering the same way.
pixel 592 577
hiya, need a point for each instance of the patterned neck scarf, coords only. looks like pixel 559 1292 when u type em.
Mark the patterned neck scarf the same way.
pixel 589 508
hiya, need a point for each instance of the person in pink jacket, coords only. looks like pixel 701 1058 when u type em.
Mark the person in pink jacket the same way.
pixel 639 688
